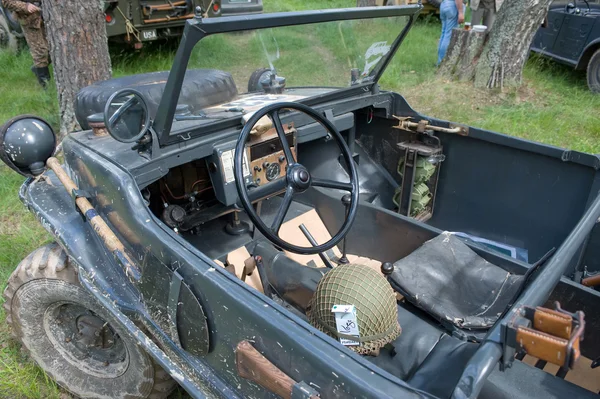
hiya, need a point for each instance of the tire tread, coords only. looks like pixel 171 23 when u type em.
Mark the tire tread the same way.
pixel 594 64
pixel 51 262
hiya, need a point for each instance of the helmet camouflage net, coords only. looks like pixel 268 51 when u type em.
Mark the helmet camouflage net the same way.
pixel 373 298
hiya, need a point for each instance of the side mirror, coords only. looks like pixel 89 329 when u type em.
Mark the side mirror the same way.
pixel 26 143
pixel 126 116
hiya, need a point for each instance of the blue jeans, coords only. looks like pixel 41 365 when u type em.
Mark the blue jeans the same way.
pixel 449 17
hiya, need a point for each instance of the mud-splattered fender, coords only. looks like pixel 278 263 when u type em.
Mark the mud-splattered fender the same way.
pixel 56 211
pixel 54 208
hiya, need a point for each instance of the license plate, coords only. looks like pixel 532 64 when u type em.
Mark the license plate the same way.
pixel 149 34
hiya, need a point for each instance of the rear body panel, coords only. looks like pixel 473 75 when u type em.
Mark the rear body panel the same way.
pixel 569 38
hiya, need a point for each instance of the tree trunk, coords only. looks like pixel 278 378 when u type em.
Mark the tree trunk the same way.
pixel 79 51
pixel 463 53
pixel 365 3
pixel 504 56
pixel 496 58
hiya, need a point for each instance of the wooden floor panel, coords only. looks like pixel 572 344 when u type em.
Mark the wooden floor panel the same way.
pixel 582 374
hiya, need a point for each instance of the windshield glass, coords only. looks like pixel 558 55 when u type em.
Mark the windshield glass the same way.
pixel 289 63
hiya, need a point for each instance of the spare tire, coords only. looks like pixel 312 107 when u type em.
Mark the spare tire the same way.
pixel 201 88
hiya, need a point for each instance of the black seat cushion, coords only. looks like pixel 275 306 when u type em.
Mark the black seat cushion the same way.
pixel 452 283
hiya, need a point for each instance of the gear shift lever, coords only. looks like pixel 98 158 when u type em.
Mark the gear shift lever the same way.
pixel 346 200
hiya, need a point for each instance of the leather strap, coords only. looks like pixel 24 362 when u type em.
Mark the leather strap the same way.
pixel 550 335
pixel 547 347
pixel 553 322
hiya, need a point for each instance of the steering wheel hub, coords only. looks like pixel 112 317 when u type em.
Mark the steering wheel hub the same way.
pixel 299 178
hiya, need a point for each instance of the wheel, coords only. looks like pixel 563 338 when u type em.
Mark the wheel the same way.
pixel 201 88
pixel 593 72
pixel 72 337
pixel 7 38
pixel 254 81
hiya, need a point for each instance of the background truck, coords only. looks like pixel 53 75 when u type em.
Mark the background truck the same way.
pixel 135 22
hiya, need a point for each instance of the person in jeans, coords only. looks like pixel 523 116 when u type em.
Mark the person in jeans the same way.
pixel 452 13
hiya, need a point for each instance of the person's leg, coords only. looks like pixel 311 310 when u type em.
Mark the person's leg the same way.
pixel 38 46
pixel 449 17
pixel 490 17
pixel 477 16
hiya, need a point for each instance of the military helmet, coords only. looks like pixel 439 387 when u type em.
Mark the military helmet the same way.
pixel 373 299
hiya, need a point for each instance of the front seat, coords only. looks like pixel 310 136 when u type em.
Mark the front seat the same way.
pixel 449 281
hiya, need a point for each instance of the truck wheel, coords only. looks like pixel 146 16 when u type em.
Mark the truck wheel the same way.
pixel 593 72
pixel 72 337
pixel 7 38
pixel 254 81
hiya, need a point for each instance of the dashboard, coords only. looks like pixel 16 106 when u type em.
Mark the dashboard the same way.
pixel 264 162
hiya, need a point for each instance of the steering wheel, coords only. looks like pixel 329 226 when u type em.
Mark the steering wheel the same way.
pixel 297 179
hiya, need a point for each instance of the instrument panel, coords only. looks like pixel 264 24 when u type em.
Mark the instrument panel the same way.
pixel 267 161
pixel 264 162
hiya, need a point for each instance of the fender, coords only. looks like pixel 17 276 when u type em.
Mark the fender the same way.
pixel 47 199
pixel 586 54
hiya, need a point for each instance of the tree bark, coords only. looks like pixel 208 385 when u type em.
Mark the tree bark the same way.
pixel 503 58
pixel 79 51
pixel 365 3
pixel 463 53
pixel 496 58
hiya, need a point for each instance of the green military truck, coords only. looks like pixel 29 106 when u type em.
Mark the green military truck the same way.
pixel 136 22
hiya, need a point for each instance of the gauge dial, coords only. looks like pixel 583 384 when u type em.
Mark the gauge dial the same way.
pixel 272 171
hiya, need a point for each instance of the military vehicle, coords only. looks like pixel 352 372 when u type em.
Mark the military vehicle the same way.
pixel 282 226
pixel 10 30
pixel 136 22
pixel 570 34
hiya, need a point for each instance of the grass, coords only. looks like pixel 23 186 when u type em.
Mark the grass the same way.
pixel 553 106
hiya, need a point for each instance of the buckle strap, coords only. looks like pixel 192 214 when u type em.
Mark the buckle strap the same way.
pixel 553 322
pixel 550 335
pixel 547 347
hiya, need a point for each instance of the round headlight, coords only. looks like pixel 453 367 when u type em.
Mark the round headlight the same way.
pixel 26 143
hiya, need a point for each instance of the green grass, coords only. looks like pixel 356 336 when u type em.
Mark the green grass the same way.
pixel 553 106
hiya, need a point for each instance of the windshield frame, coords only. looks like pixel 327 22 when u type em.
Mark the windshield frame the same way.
pixel 198 28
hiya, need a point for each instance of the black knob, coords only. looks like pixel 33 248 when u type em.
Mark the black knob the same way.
pixel 266 165
pixel 387 268
pixel 303 175
pixel 281 159
pixel 346 199
pixel 257 168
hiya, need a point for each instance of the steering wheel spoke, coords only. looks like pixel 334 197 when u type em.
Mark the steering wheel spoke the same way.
pixel 283 210
pixel 287 151
pixel 267 190
pixel 325 183
pixel 296 181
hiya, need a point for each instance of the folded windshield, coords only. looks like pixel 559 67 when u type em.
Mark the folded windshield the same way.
pixel 289 63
